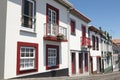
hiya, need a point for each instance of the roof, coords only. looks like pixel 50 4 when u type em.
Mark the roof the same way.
pixel 116 41
pixel 80 15
pixel 73 11
pixel 92 28
pixel 65 3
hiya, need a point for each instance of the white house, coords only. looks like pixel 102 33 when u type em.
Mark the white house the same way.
pixel 42 38
pixel 107 51
pixel 95 51
pixel 78 44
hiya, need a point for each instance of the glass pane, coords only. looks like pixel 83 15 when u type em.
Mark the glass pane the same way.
pixel 22 54
pixel 31 50
pixel 26 7
pixel 31 54
pixel 22 49
pixel 31 9
pixel 27 54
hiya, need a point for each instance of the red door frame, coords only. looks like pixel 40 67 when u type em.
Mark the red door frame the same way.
pixel 73 63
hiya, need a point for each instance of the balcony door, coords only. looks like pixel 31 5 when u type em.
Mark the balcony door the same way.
pixel 83 35
pixel 83 31
pixel 52 20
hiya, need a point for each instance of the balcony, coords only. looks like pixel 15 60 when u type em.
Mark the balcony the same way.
pixel 53 32
pixel 85 42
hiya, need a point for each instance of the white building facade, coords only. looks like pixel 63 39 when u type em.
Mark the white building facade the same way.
pixel 37 38
pixel 95 51
pixel 78 44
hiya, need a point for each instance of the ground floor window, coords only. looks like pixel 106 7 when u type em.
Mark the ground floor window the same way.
pixel 27 57
pixel 52 56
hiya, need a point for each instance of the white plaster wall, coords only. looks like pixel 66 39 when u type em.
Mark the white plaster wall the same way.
pixel 94 64
pixel 14 34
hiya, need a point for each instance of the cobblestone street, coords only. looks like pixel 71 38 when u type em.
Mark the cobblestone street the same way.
pixel 108 76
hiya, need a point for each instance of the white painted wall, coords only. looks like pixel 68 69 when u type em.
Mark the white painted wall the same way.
pixel 14 34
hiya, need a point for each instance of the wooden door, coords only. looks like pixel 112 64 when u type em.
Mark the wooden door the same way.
pixel 80 63
pixel 73 63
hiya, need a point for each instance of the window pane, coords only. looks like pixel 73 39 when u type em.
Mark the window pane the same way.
pixel 26 7
pixel 27 58
pixel 52 54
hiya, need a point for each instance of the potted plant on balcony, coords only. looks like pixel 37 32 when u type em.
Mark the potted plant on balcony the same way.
pixel 60 36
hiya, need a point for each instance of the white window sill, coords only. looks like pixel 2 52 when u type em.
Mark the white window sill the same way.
pixel 29 30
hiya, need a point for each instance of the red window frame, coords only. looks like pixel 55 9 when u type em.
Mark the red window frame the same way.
pixel 57 59
pixel 26 44
pixel 72 24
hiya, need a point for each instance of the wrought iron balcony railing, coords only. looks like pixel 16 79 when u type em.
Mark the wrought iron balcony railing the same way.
pixel 85 41
pixel 55 32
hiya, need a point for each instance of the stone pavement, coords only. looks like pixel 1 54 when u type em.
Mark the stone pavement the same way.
pixel 108 76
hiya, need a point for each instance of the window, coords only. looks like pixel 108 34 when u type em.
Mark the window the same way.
pixel 52 17
pixel 27 57
pixel 83 31
pixel 93 42
pixel 52 56
pixel 97 43
pixel 72 24
pixel 28 14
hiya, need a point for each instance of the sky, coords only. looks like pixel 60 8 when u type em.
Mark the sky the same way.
pixel 103 13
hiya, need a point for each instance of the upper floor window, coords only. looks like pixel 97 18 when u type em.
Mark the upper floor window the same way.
pixel 28 14
pixel 52 17
pixel 97 43
pixel 83 31
pixel 72 24
pixel 93 42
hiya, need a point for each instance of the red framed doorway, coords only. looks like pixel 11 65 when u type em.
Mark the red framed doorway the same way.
pixel 73 63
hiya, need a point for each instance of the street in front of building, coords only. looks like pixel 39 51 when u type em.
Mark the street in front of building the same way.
pixel 108 76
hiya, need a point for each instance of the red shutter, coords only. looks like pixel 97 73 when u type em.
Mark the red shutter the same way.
pixel 72 24
pixel 83 31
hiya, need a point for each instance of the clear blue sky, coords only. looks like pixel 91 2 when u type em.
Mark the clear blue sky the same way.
pixel 103 13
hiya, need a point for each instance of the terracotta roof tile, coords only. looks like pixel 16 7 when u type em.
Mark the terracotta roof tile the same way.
pixel 116 41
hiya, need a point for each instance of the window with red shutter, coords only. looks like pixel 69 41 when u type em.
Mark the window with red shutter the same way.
pixel 97 43
pixel 72 24
pixel 93 42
